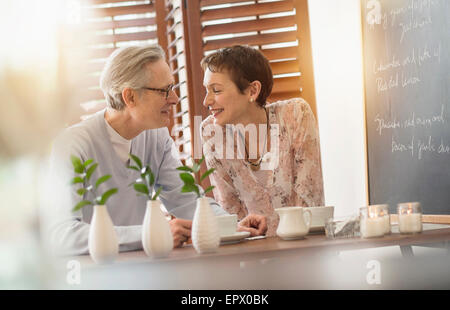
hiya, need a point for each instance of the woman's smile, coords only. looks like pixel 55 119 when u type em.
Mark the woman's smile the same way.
pixel 216 112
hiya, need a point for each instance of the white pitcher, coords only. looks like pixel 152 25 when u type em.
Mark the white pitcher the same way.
pixel 103 243
pixel 157 239
pixel 292 223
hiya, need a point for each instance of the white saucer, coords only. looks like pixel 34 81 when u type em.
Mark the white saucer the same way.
pixel 234 238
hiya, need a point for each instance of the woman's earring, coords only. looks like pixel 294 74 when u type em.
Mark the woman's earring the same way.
pixel 251 100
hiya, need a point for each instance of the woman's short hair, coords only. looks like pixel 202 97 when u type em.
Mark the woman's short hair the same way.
pixel 244 64
pixel 125 67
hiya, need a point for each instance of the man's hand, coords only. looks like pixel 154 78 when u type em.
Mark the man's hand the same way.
pixel 181 231
pixel 254 223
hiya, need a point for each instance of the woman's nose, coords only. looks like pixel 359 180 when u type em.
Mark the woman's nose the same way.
pixel 207 101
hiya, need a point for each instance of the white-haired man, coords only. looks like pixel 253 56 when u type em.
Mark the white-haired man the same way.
pixel 137 84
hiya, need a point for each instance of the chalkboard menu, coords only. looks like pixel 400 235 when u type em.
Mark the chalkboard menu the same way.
pixel 406 69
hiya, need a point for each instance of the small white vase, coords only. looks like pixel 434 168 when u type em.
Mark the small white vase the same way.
pixel 103 243
pixel 205 229
pixel 157 239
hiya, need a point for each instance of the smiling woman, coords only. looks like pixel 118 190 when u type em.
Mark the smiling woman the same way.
pixel 284 169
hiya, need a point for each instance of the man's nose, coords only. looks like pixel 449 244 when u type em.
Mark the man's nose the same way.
pixel 172 97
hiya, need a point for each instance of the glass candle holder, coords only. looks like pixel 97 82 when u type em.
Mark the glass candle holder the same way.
pixel 372 222
pixel 409 217
pixel 384 213
pixel 342 227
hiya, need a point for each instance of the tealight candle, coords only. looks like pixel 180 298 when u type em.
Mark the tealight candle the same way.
pixel 387 224
pixel 371 223
pixel 409 217
pixel 384 212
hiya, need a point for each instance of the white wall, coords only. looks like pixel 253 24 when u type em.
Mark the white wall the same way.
pixel 338 72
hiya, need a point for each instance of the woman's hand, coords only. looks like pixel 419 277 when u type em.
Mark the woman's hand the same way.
pixel 254 223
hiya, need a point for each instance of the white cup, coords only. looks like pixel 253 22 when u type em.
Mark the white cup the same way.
pixel 227 224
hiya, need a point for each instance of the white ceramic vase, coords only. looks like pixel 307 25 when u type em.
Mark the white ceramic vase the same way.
pixel 103 243
pixel 157 239
pixel 205 229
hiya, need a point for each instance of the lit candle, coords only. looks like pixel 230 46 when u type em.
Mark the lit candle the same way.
pixel 409 218
pixel 387 224
pixel 384 212
pixel 371 223
pixel 372 227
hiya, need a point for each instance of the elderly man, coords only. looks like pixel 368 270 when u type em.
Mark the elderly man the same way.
pixel 137 84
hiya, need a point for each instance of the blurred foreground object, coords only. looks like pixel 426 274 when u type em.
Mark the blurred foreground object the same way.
pixel 39 77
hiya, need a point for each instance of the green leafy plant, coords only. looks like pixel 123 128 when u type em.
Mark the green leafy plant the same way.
pixel 145 182
pixel 84 171
pixel 188 177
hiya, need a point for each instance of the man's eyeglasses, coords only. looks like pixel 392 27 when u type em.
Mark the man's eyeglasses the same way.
pixel 161 90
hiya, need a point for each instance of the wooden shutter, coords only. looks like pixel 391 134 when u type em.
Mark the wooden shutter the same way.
pixel 182 130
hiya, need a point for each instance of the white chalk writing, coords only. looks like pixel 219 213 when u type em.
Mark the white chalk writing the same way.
pixel 411 122
pixel 421 148
pixel 400 147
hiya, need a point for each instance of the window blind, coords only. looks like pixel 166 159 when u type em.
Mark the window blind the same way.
pixel 176 56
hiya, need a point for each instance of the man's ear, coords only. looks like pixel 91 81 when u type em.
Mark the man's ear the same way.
pixel 254 89
pixel 129 97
